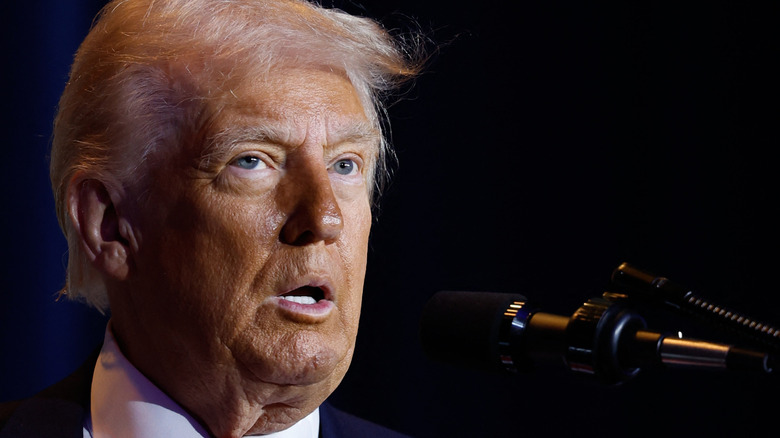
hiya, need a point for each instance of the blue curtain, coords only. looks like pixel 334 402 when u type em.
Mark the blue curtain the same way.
pixel 41 339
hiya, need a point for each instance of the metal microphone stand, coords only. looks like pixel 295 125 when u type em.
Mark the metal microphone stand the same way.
pixel 607 338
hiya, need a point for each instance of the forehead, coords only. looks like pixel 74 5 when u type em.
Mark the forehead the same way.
pixel 289 105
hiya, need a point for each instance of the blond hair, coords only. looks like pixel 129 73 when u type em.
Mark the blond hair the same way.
pixel 141 76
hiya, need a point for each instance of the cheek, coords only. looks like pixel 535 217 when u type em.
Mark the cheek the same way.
pixel 357 220
pixel 354 237
pixel 354 252
pixel 205 252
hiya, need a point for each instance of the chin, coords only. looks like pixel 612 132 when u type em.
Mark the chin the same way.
pixel 321 368
pixel 300 358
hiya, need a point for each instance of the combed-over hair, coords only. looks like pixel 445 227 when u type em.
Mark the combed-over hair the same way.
pixel 143 76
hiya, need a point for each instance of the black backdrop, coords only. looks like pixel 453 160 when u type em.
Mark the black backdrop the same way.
pixel 546 143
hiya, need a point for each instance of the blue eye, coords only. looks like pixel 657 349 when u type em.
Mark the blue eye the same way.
pixel 248 162
pixel 345 167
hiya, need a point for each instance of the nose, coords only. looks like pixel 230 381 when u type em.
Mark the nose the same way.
pixel 313 214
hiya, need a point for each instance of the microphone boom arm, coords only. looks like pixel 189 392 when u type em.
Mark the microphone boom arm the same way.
pixel 604 337
pixel 643 286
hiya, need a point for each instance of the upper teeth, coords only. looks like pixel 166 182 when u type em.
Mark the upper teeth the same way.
pixel 300 299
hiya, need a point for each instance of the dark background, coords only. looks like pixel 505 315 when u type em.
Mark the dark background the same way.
pixel 546 143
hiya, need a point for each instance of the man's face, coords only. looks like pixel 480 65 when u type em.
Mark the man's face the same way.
pixel 252 251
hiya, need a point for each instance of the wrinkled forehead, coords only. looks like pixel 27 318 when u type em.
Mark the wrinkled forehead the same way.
pixel 289 107
pixel 299 97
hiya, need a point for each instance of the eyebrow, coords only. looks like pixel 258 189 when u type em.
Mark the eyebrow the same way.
pixel 227 140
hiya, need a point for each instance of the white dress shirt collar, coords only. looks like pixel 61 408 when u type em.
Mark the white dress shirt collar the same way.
pixel 124 403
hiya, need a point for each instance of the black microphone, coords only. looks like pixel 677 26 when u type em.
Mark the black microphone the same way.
pixel 497 331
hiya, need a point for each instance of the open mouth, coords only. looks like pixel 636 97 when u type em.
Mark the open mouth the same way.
pixel 305 295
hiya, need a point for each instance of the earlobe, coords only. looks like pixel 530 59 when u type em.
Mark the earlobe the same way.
pixel 100 230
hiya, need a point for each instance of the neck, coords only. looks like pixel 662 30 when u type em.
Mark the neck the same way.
pixel 222 395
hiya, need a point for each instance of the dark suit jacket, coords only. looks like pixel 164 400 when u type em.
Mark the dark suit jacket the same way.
pixel 58 412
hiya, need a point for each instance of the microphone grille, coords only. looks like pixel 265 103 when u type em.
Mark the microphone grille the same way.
pixel 465 327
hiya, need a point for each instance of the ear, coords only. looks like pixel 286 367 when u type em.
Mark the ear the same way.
pixel 105 238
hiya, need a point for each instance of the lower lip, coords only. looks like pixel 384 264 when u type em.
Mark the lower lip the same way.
pixel 320 309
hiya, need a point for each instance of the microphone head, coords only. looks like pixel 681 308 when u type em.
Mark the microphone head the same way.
pixel 466 328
